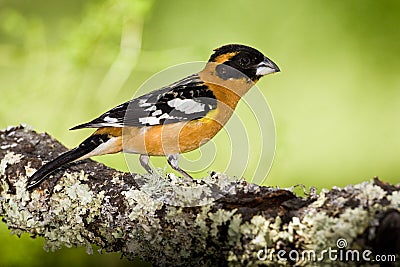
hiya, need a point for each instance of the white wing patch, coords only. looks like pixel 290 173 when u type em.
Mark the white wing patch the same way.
pixel 143 103
pixel 156 120
pixel 152 108
pixel 187 106
pixel 157 112
pixel 109 119
pixel 149 120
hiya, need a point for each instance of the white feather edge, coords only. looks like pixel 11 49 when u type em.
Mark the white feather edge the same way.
pixel 104 148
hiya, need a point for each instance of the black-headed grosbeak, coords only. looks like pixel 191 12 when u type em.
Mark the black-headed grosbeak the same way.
pixel 174 119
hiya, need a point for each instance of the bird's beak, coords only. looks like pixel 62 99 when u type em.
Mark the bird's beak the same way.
pixel 267 66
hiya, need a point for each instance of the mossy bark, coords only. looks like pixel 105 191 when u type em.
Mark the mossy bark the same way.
pixel 233 223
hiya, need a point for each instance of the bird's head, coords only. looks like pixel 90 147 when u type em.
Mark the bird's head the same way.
pixel 236 61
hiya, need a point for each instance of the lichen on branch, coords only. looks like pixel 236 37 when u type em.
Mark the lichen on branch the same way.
pixel 169 221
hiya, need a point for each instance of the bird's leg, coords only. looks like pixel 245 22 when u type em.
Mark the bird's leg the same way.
pixel 144 161
pixel 173 162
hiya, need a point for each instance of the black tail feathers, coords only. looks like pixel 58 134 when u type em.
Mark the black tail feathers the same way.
pixel 83 149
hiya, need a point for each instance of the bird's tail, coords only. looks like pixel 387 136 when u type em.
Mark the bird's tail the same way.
pixel 93 145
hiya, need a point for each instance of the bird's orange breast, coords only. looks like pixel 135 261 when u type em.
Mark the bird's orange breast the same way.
pixel 172 138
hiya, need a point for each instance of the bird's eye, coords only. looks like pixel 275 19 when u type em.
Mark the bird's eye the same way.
pixel 244 61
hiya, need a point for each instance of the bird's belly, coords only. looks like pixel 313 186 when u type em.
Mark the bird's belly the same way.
pixel 169 138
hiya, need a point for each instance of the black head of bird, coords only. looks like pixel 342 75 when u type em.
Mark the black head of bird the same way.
pixel 236 61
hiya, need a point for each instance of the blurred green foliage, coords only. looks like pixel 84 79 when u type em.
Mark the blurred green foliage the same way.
pixel 336 102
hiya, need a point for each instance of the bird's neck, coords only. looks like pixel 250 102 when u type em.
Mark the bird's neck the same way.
pixel 238 86
pixel 228 91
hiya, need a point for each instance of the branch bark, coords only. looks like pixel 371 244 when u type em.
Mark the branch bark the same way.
pixel 169 221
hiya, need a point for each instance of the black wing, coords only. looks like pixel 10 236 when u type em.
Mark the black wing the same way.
pixel 187 99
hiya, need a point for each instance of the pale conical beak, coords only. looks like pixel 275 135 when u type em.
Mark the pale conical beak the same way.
pixel 267 66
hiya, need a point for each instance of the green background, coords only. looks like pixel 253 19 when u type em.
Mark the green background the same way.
pixel 336 103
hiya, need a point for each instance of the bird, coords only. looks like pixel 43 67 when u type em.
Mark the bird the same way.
pixel 174 119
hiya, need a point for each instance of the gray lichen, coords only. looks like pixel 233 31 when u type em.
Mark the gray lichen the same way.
pixel 232 222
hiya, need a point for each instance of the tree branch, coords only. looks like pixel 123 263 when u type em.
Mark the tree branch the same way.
pixel 169 221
